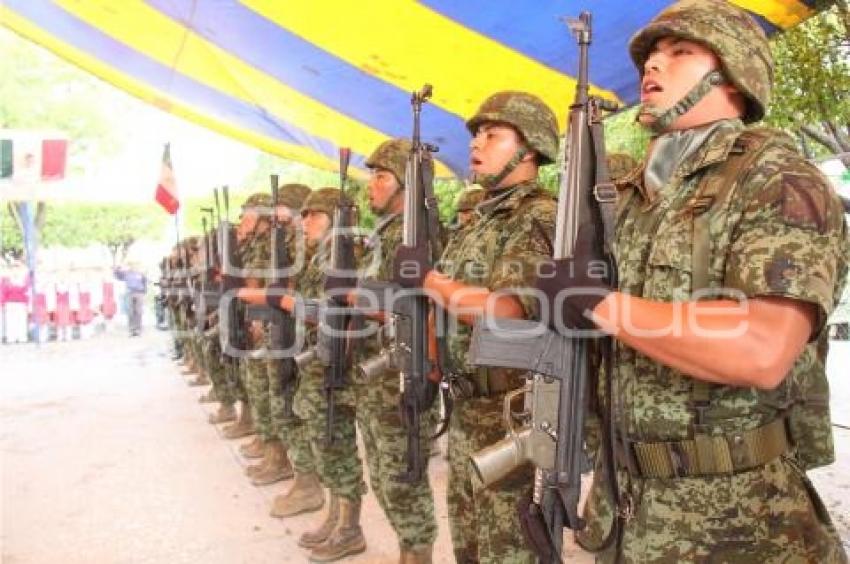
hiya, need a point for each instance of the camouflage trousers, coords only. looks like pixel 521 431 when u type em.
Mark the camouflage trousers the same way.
pixel 337 463
pixel 769 514
pixel 257 388
pixel 483 522
pixel 408 507
pixel 277 403
pixel 216 370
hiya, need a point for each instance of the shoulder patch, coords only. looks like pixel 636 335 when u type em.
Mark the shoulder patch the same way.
pixel 805 201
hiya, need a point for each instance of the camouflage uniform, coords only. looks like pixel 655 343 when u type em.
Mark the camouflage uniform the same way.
pixel 500 251
pixel 505 245
pixel 779 232
pixel 408 507
pixel 337 464
pixel 255 253
pixel 291 196
pixel 224 391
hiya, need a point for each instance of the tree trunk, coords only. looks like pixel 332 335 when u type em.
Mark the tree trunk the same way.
pixel 834 143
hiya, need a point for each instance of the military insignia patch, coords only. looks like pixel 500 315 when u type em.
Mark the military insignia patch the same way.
pixel 804 202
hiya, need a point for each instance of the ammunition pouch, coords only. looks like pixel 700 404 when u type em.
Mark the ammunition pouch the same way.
pixel 706 455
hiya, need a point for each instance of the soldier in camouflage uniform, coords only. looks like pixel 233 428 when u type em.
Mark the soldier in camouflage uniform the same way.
pixel 335 466
pixel 495 259
pixel 255 253
pixel 716 419
pixel 408 507
pixel 290 199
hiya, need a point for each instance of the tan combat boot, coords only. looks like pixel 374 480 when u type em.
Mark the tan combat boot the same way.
pixel 305 495
pixel 225 414
pixel 201 380
pixel 209 397
pixel 243 427
pixel 256 448
pixel 261 464
pixel 277 468
pixel 314 538
pixel 416 554
pixel 346 539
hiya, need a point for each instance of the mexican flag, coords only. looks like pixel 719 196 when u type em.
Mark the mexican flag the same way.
pixel 166 189
pixel 31 157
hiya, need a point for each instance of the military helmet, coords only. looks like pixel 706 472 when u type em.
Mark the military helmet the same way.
pixel 734 36
pixel 292 195
pixel 528 114
pixel 470 198
pixel 323 200
pixel 392 156
pixel 258 200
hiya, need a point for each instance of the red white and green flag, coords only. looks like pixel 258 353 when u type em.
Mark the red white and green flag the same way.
pixel 166 189
pixel 31 156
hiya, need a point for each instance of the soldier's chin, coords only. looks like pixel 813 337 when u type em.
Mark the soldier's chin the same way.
pixel 645 118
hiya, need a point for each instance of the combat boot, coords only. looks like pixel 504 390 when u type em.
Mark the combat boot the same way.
pixel 200 380
pixel 314 538
pixel 277 468
pixel 243 427
pixel 347 537
pixel 416 554
pixel 253 449
pixel 209 397
pixel 225 414
pixel 305 495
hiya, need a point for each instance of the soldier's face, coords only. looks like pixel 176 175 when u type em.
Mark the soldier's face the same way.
pixel 315 225
pixel 673 68
pixel 382 187
pixel 493 145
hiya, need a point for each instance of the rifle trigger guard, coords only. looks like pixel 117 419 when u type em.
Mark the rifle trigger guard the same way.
pixel 507 414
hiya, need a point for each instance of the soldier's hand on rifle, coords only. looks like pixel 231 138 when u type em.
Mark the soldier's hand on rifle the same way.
pixel 410 266
pixel 574 286
pixel 338 287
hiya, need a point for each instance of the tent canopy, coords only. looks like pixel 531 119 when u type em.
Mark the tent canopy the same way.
pixel 298 79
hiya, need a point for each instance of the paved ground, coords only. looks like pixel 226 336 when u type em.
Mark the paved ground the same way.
pixel 107 457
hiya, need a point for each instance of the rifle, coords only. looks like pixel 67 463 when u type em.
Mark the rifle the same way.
pixel 232 336
pixel 560 369
pixel 336 315
pixel 282 325
pixel 408 329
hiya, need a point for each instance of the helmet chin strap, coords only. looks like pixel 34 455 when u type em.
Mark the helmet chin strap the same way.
pixel 490 181
pixel 665 118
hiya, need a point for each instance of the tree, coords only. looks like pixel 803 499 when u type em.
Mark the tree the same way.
pixel 41 91
pixel 810 96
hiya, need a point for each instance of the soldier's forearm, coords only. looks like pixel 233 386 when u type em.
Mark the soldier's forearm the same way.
pixel 749 344
pixel 469 303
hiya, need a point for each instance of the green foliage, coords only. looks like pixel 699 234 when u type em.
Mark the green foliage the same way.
pixel 812 73
pixel 41 91
pixel 624 135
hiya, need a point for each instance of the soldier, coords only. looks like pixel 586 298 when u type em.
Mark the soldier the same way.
pixel 716 419
pixel 466 204
pixel 408 507
pixel 255 252
pixel 485 270
pixel 290 199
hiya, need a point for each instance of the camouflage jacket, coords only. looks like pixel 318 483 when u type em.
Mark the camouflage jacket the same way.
pixel 310 285
pixel 780 233
pixel 255 254
pixel 377 264
pixel 501 251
